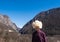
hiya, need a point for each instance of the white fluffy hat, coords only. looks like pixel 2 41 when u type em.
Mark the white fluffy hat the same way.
pixel 37 23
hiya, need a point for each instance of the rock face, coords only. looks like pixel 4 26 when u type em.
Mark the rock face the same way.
pixel 18 29
pixel 8 31
pixel 4 19
pixel 50 19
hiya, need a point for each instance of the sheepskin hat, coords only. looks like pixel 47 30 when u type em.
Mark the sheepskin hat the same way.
pixel 36 24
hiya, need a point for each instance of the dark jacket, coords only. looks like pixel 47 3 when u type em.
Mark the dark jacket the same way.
pixel 38 36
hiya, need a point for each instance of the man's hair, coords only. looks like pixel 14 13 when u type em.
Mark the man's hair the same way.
pixel 37 23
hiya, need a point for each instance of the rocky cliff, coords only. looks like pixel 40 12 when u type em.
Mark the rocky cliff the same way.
pixel 50 19
pixel 4 19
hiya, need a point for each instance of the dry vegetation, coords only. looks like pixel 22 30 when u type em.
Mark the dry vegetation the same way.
pixel 16 37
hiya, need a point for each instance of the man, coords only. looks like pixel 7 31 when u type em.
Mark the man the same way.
pixel 38 35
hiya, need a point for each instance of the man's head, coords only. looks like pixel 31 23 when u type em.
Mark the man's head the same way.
pixel 37 24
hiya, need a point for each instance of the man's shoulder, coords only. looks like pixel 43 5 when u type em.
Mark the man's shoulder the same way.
pixel 42 32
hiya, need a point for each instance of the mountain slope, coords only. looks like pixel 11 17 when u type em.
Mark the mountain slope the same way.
pixel 50 19
pixel 4 19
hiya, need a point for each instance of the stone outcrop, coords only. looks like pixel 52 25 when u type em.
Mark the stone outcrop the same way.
pixel 4 19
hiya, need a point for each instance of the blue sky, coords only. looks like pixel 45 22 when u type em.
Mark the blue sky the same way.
pixel 21 11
